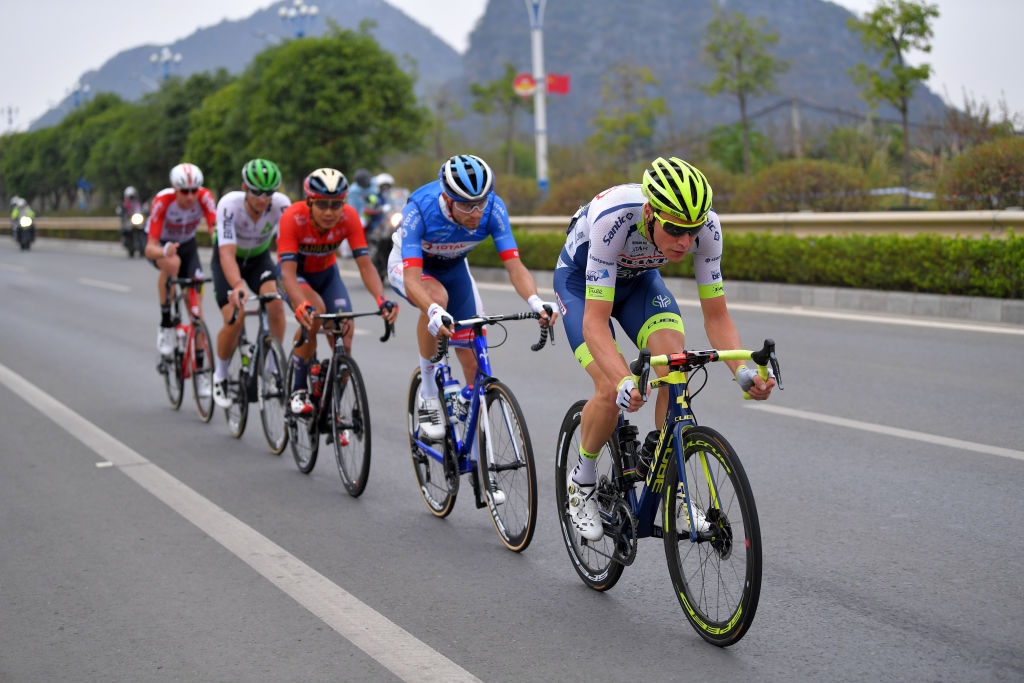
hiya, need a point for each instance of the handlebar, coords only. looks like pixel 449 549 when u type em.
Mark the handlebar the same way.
pixel 546 332
pixel 389 328
pixel 691 360
pixel 263 298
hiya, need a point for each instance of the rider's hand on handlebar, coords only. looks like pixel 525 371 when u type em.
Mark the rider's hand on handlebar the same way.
pixel 629 397
pixel 388 309
pixel 752 383
pixel 304 314
pixel 435 320
pixel 548 312
pixel 236 297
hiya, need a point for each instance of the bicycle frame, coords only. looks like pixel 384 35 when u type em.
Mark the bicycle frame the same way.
pixel 189 288
pixel 262 332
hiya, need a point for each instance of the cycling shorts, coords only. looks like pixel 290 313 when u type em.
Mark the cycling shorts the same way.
pixel 188 252
pixel 327 283
pixel 255 270
pixel 642 305
pixel 463 297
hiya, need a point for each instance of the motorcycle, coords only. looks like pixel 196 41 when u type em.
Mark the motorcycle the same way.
pixel 379 240
pixel 133 233
pixel 25 232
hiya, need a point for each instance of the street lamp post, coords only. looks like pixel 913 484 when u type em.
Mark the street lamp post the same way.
pixel 10 112
pixel 297 14
pixel 166 58
pixel 536 11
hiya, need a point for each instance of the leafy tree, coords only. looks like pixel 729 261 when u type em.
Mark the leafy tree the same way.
pixel 728 144
pixel 218 137
pixel 894 28
pixel 501 96
pixel 81 129
pixel 736 48
pixel 626 123
pixel 444 109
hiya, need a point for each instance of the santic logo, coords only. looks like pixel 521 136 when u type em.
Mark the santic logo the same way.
pixel 662 301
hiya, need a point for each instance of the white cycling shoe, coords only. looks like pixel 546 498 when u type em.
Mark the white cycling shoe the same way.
pixel 165 339
pixel 431 425
pixel 202 386
pixel 583 509
pixel 700 520
pixel 221 394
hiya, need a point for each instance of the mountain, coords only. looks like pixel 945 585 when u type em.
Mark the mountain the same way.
pixel 588 38
pixel 232 45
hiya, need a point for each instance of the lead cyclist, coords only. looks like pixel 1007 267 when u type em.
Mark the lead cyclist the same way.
pixel 609 269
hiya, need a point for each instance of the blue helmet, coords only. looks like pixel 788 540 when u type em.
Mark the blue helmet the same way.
pixel 466 178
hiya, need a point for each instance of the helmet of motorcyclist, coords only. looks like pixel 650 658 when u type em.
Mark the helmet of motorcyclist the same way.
pixel 678 189
pixel 384 181
pixel 261 176
pixel 325 183
pixel 131 193
pixel 363 178
pixel 186 177
pixel 466 178
pixel 14 201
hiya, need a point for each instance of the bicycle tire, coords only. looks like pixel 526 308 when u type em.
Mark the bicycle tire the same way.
pixel 438 488
pixel 237 414
pixel 303 435
pixel 350 422
pixel 273 395
pixel 717 581
pixel 174 383
pixel 201 342
pixel 592 560
pixel 513 470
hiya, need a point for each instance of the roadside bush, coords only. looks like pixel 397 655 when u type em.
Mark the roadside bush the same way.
pixel 989 176
pixel 571 193
pixel 800 184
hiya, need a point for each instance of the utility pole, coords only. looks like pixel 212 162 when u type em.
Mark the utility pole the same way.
pixel 794 116
pixel 536 11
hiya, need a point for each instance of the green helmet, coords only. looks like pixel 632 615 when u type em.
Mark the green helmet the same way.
pixel 678 188
pixel 261 175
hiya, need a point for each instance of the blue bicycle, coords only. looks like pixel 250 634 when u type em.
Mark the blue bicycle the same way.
pixel 708 519
pixel 484 419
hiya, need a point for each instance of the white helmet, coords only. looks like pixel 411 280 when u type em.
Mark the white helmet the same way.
pixel 383 179
pixel 186 177
pixel 130 192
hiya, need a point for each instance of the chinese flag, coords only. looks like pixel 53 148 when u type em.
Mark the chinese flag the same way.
pixel 558 84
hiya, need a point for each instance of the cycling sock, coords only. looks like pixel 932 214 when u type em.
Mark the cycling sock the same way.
pixel 300 369
pixel 428 388
pixel 165 316
pixel 220 370
pixel 586 470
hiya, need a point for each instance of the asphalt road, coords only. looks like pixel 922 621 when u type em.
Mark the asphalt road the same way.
pixel 887 477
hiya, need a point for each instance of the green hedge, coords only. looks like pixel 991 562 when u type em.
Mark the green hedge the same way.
pixel 923 263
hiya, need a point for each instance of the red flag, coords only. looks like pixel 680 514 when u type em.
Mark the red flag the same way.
pixel 558 84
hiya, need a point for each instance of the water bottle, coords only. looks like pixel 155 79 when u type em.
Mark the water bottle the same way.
pixel 180 334
pixel 464 399
pixel 451 393
pixel 646 454
pixel 316 378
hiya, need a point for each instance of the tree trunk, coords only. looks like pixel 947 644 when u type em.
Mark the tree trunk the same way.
pixel 510 134
pixel 746 133
pixel 906 154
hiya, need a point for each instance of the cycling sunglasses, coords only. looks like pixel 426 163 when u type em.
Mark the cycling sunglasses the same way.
pixel 470 207
pixel 188 190
pixel 678 229
pixel 260 193
pixel 329 205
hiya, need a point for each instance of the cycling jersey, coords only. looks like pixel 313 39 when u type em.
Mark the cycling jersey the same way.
pixel 607 244
pixel 431 239
pixel 314 251
pixel 235 226
pixel 168 222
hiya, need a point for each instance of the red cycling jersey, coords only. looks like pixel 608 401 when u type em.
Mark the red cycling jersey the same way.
pixel 168 222
pixel 314 251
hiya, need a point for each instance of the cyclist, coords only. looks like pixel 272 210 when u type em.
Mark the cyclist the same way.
pixel 441 223
pixel 609 269
pixel 361 192
pixel 171 248
pixel 247 223
pixel 311 232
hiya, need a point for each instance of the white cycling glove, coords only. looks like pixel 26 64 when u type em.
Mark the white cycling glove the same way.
pixel 435 314
pixel 745 377
pixel 538 305
pixel 627 385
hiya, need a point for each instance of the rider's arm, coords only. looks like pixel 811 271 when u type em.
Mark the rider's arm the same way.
pixel 290 282
pixel 722 334
pixel 156 228
pixel 229 266
pixel 209 208
pixel 598 336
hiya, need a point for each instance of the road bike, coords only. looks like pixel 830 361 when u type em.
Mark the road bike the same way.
pixel 708 518
pixel 193 351
pixel 484 419
pixel 340 408
pixel 257 374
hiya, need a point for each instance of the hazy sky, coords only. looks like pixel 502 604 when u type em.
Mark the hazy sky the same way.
pixel 48 44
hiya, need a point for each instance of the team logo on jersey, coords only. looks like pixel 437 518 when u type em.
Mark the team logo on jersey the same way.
pixel 596 275
pixel 662 301
pixel 712 258
pixel 619 222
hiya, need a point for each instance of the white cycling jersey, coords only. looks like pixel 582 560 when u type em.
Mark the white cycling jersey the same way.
pixel 606 245
pixel 234 226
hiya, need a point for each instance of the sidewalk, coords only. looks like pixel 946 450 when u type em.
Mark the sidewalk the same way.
pixel 966 308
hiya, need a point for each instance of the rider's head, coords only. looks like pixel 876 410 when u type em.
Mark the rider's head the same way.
pixel 325 190
pixel 678 200
pixel 362 178
pixel 260 178
pixel 131 193
pixel 467 182
pixel 186 179
pixel 384 182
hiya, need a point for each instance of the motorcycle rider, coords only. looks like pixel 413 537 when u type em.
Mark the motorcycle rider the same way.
pixel 19 208
pixel 128 206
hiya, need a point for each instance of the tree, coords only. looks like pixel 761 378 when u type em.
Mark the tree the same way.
pixel 444 109
pixel 736 49
pixel 894 28
pixel 625 125
pixel 501 96
pixel 726 146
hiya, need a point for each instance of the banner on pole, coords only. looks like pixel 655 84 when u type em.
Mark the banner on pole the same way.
pixel 524 85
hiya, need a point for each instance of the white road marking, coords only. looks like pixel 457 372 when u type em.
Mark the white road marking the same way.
pixel 112 286
pixel 104 464
pixel 390 645
pixel 892 431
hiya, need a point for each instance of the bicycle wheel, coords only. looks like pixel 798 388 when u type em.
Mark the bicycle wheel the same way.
pixel 592 560
pixel 202 365
pixel 350 426
pixel 438 484
pixel 718 578
pixel 238 413
pixel 273 395
pixel 506 464
pixel 174 383
pixel 303 434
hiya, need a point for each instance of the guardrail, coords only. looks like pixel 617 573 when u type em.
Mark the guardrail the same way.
pixel 965 223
